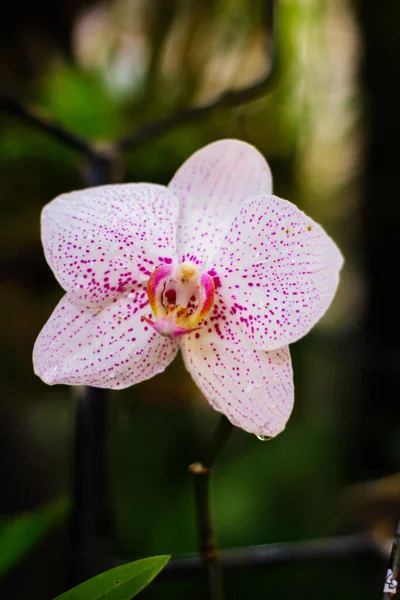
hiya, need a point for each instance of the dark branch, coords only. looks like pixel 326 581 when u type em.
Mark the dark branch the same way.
pixel 89 513
pixel 43 123
pixel 228 99
pixel 221 435
pixel 339 547
pixel 208 549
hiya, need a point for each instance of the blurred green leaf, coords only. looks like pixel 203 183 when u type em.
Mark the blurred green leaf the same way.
pixel 20 534
pixel 80 102
pixel 121 583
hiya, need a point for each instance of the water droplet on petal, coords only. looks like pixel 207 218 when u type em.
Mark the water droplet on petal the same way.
pixel 263 438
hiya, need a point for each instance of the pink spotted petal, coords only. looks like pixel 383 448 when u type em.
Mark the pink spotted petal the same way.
pixel 279 271
pixel 253 388
pixel 100 242
pixel 109 348
pixel 211 185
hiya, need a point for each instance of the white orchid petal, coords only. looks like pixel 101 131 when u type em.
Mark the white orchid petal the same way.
pixel 211 185
pixel 101 241
pixel 253 388
pixel 272 272
pixel 279 271
pixel 110 348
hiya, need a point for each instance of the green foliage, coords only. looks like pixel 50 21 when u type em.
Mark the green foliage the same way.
pixel 121 583
pixel 19 535
pixel 80 102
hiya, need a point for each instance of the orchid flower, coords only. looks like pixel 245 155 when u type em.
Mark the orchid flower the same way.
pixel 213 264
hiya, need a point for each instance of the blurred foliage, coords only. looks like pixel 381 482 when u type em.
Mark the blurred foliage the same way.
pixel 116 66
pixel 121 583
pixel 62 93
pixel 19 535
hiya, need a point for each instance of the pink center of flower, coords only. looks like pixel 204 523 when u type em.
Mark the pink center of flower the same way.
pixel 180 297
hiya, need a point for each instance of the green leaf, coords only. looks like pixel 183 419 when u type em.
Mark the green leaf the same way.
pixel 20 534
pixel 121 583
pixel 80 102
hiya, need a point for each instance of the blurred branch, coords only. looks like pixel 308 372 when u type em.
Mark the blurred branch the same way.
pixel 228 99
pixel 207 543
pixel 89 518
pixel 391 579
pixel 159 16
pixel 43 123
pixel 338 547
pixel 221 435
pixel 343 547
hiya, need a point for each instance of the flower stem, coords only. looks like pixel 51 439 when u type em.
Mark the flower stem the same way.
pixel 207 542
pixel 89 518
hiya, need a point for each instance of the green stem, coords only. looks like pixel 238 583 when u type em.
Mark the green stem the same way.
pixel 207 541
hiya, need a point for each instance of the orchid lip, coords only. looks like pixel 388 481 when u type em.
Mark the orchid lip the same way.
pixel 180 297
pixel 168 327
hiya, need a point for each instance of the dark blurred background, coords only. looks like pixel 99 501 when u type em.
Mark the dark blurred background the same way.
pixel 330 132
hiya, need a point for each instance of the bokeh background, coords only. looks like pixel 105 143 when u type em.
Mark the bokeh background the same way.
pixel 330 132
